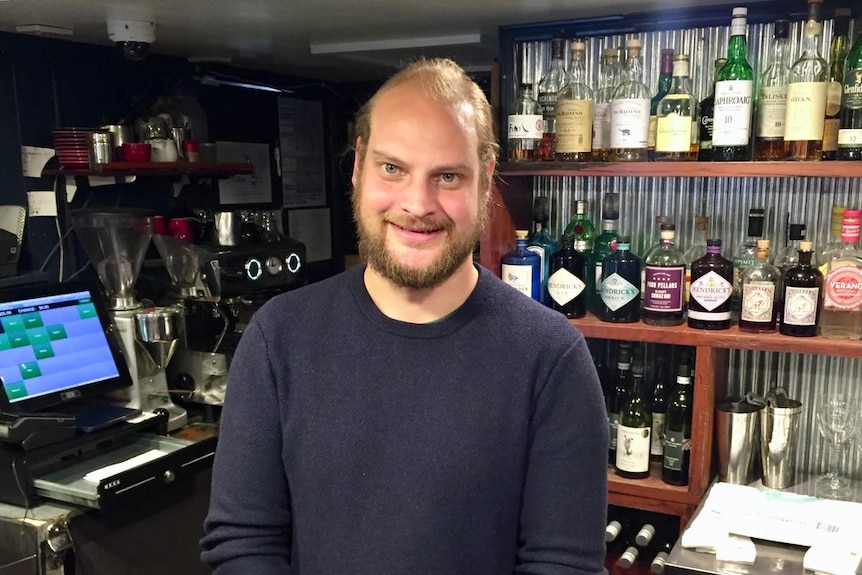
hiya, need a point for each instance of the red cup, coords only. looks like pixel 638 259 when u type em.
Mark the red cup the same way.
pixel 136 152
pixel 190 149
pixel 181 228
pixel 160 227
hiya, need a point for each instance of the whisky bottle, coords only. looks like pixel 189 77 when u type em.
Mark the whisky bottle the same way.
pixel 676 135
pixel 664 282
pixel 522 269
pixel 635 426
pixel 574 112
pixel 850 130
pixel 619 298
pixel 677 429
pixel 806 94
pixel 665 83
pixel 803 287
pixel 707 109
pixel 711 288
pixel 617 400
pixel 630 110
pixel 759 283
pixel 772 98
pixel 608 74
pixel 745 254
pixel 525 126
pixel 731 128
pixel 549 85
pixel 604 245
pixel 842 298
pixel 566 286
pixel 695 250
pixel 838 48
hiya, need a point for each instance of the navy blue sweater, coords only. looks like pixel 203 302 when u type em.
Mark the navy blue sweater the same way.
pixel 352 443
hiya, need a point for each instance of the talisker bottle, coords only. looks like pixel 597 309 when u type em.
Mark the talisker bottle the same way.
pixel 711 289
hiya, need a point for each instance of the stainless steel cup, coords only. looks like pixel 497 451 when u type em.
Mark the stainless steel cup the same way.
pixel 101 148
pixel 227 228
pixel 737 434
pixel 779 435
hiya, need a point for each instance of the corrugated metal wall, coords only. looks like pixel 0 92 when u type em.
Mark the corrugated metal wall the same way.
pixel 726 202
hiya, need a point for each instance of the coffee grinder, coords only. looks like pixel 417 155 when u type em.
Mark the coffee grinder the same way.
pixel 116 241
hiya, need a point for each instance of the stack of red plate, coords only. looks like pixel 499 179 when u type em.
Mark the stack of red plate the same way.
pixel 72 146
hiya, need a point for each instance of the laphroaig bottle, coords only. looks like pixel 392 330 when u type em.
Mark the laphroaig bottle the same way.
pixel 677 429
pixel 541 241
pixel 850 130
pixel 696 249
pixel 838 49
pixel 664 282
pixel 803 289
pixel 574 112
pixel 707 113
pixel 622 383
pixel 566 286
pixel 842 302
pixel 772 97
pixel 522 269
pixel 676 136
pixel 731 129
pixel 619 299
pixel 630 110
pixel 525 126
pixel 583 236
pixel 635 426
pixel 665 82
pixel 746 253
pixel 549 85
pixel 608 75
pixel 661 388
pixel 711 288
pixel 604 244
pixel 759 284
pixel 806 94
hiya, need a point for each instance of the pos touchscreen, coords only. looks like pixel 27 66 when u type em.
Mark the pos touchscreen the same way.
pixel 57 346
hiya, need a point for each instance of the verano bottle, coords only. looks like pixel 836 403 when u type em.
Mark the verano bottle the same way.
pixel 803 288
pixel 630 110
pixel 549 85
pixel 635 426
pixel 676 131
pixel 772 97
pixel 842 299
pixel 574 112
pixel 731 129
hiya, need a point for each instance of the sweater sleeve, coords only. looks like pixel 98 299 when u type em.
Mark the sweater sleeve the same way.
pixel 248 528
pixel 564 505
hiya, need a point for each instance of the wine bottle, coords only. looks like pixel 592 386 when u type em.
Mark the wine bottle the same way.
pixel 617 400
pixel 658 563
pixel 635 426
pixel 620 294
pixel 677 429
pixel 658 406
pixel 566 286
pixel 803 289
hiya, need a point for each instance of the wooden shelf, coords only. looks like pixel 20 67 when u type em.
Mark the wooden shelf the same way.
pixel 683 169
pixel 120 169
pixel 651 487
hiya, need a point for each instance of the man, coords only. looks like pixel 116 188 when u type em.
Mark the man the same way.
pixel 413 415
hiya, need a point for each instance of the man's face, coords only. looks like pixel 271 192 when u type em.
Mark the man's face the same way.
pixel 417 204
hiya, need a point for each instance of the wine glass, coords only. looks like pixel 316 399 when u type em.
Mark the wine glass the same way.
pixel 837 417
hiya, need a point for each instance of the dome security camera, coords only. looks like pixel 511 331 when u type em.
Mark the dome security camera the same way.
pixel 132 37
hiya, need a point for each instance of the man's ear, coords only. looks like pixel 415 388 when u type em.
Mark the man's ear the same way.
pixel 357 155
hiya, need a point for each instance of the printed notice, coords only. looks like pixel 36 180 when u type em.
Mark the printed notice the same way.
pixel 300 126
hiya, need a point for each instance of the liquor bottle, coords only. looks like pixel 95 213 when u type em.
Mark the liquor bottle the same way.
pixel 711 289
pixel 665 83
pixel 622 382
pixel 522 269
pixel 664 282
pixel 635 426
pixel 759 283
pixel 608 74
pixel 574 112
pixel 657 565
pixel 630 110
pixel 645 534
pixel 772 97
pixel 707 109
pixel 525 126
pixel 629 557
pixel 549 85
pixel 619 299
pixel 731 129
pixel 786 258
pixel 745 254
pixel 836 222
pixel 541 241
pixel 850 130
pixel 841 317
pixel 676 135
pixel 838 48
pixel 604 245
pixel 658 405
pixel 583 235
pixel 566 286
pixel 695 250
pixel 803 288
pixel 806 94
pixel 677 428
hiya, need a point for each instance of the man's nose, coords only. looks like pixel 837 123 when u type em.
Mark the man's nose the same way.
pixel 419 197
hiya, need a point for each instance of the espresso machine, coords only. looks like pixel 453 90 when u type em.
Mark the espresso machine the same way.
pixel 116 241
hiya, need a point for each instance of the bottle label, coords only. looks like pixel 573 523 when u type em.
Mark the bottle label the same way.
pixel 539 251
pixel 633 444
pixel 843 288
pixel 519 277
pixel 830 134
pixel 564 286
pixel 548 102
pixel 613 424
pixel 675 446
pixel 806 111
pixel 834 90
pixel 800 305
pixel 525 127
pixel 617 291
pixel 771 112
pixel 757 300
pixel 731 119
pixel 664 288
pixel 574 126
pixel 582 246
pixel 653 131
pixel 630 123
pixel 657 435
pixel 710 291
pixel 673 134
pixel 739 265
pixel 601 126
pixel 850 138
pixel 598 278
pixel 852 97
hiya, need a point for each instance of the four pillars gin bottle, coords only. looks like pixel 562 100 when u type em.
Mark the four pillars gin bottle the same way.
pixel 664 282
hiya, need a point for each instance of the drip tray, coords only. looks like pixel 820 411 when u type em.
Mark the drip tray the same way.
pixel 126 484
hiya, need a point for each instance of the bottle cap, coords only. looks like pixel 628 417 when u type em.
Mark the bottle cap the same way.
pixel 763 244
pixel 612 531
pixel 634 43
pixel 611 53
pixel 611 206
pixel 521 234
pixel 714 242
pixel 841 22
pixel 740 12
pixel 580 206
pixel 558 48
pixel 797 232
pixel 782 29
pixel 645 535
pixel 666 226
pixel 806 246
pixel 627 240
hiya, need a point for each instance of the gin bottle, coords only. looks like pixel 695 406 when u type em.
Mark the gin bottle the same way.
pixel 677 429
pixel 842 302
pixel 838 48
pixel 583 235
pixel 676 138
pixel 541 241
pixel 786 258
pixel 663 298
pixel 630 110
pixel 574 112
pixel 803 288
pixel 522 269
pixel 619 299
pixel 745 254
pixel 635 426
pixel 550 84
pixel 759 284
pixel 605 244
pixel 602 107
pixel 525 126
pixel 731 129
pixel 707 113
pixel 850 130
pixel 772 98
pixel 665 83
pixel 711 288
pixel 566 286
pixel 622 381
pixel 695 250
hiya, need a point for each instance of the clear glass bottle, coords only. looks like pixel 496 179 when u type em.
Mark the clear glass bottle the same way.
pixel 608 74
pixel 836 222
pixel 707 113
pixel 619 299
pixel 566 285
pixel 574 112
pixel 661 389
pixel 745 254
pixel 803 289
pixel 696 249
pixel 549 85
pixel 734 91
pixel 622 382
pixel 838 48
pixel 676 131
pixel 522 269
pixel 759 286
pixel 711 288
pixel 677 429
pixel 665 83
pixel 841 317
pixel 850 130
pixel 664 282
pixel 525 126
pixel 542 241
pixel 772 97
pixel 604 244
pixel 630 110
pixel 635 426
pixel 806 94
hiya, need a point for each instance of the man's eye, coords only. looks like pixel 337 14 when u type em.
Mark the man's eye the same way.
pixel 390 168
pixel 448 177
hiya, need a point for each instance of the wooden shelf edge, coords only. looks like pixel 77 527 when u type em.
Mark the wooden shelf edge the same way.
pixel 683 169
pixel 157 169
pixel 651 487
